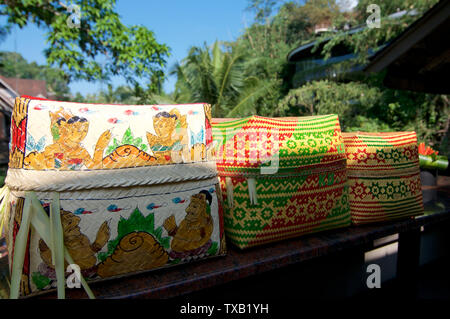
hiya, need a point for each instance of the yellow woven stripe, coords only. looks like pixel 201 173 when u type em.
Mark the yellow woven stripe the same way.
pixel 388 216
pixel 274 191
pixel 299 124
pixel 359 206
pixel 338 219
pixel 295 233
pixel 381 209
pixel 380 143
pixel 364 220
pixel 300 127
pixel 241 236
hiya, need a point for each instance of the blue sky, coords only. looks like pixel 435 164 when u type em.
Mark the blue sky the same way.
pixel 177 23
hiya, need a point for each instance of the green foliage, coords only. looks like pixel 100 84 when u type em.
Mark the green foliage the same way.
pixel 135 223
pixel 262 8
pixel 392 6
pixel 12 64
pixel 101 47
pixel 127 139
pixel 351 101
pixel 372 108
pixel 377 108
pixel 367 40
pixel 3 171
pixel 217 77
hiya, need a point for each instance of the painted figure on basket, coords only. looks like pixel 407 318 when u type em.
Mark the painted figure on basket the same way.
pixel 18 133
pixel 208 138
pixel 130 151
pixel 136 251
pixel 193 235
pixel 137 247
pixel 128 156
pixel 79 246
pixel 66 152
pixel 170 144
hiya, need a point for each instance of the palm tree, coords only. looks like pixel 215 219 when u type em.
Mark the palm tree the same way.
pixel 108 96
pixel 217 77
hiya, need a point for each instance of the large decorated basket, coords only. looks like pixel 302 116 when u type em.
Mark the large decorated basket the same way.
pixel 110 189
pixel 384 176
pixel 280 177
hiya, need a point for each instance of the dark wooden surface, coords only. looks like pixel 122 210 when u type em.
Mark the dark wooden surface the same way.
pixel 240 265
pixel 237 265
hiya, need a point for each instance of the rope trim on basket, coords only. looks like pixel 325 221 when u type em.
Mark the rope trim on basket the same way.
pixel 30 180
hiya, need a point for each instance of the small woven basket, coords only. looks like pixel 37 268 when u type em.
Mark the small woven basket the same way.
pixel 383 175
pixel 280 177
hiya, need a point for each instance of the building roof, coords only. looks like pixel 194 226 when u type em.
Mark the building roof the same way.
pixel 7 96
pixel 37 88
pixel 305 51
pixel 419 58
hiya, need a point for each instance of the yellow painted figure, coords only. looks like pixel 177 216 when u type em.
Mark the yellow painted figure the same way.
pixel 66 152
pixel 78 244
pixel 170 144
pixel 196 228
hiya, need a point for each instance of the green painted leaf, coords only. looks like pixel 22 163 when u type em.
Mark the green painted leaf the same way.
pixel 135 223
pixel 55 132
pixel 213 249
pixel 137 141
pixel 175 261
pixel 127 137
pixel 40 280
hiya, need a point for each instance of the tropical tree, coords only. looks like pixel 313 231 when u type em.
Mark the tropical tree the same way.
pixel 217 77
pixel 354 102
pixel 88 41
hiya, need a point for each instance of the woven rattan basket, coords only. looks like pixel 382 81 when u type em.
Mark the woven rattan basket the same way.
pixel 281 177
pixel 134 189
pixel 383 175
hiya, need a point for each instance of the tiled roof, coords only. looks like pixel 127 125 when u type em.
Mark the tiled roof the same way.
pixel 27 86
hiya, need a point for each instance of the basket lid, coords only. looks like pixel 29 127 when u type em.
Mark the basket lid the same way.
pixel 260 145
pixel 381 153
pixel 52 137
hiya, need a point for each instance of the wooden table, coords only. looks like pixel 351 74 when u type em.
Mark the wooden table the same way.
pixel 239 266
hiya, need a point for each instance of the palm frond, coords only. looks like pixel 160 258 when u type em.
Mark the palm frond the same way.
pixel 247 101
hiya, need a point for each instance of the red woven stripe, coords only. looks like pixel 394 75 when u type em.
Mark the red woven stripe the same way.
pixel 42 99
pixel 378 169
pixel 364 144
pixel 403 176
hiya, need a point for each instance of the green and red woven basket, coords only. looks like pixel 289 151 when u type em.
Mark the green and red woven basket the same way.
pixel 281 177
pixel 383 176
